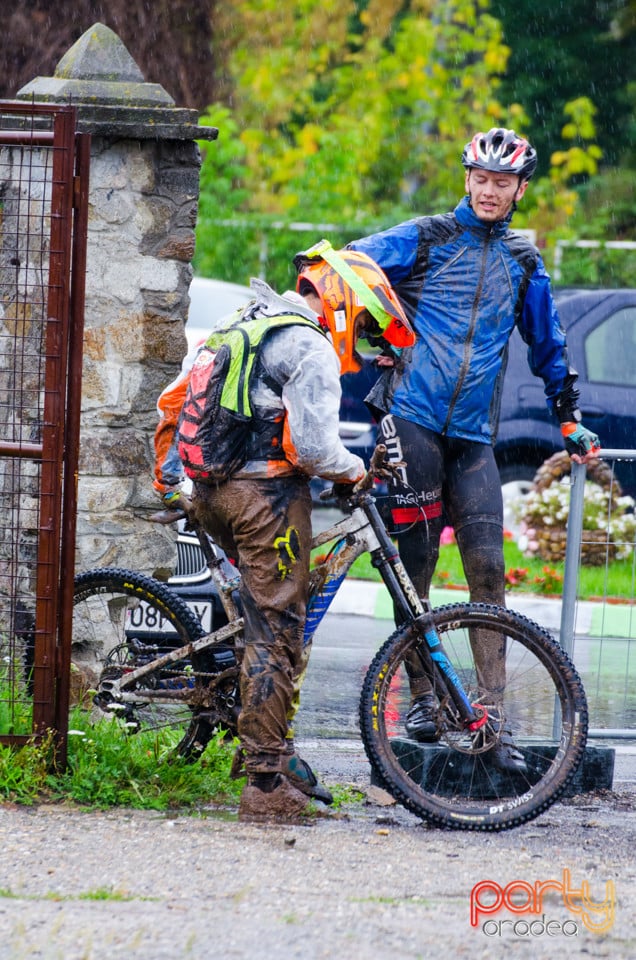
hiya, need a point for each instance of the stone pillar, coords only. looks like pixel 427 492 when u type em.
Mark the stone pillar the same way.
pixel 144 187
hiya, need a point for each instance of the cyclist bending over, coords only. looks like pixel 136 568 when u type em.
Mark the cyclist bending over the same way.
pixel 259 511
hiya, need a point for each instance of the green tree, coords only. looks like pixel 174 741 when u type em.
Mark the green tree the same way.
pixel 563 51
pixel 351 105
pixel 353 112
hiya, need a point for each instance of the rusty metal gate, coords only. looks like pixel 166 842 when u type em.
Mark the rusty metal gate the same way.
pixel 44 167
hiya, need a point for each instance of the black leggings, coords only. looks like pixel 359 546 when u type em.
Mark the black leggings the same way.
pixel 452 477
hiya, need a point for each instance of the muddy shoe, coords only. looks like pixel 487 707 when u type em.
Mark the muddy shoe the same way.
pixel 420 722
pixel 282 803
pixel 301 776
pixel 505 755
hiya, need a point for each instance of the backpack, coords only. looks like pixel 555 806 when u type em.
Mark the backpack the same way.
pixel 216 420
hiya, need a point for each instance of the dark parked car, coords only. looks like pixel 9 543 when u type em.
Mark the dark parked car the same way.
pixel 601 333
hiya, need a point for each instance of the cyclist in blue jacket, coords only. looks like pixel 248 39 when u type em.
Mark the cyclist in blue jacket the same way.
pixel 466 280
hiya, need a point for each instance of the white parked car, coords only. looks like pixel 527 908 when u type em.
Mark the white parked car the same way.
pixel 211 301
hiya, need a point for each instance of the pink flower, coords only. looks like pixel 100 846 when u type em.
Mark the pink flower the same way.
pixel 447 536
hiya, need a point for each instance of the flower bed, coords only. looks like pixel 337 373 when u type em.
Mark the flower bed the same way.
pixel 609 523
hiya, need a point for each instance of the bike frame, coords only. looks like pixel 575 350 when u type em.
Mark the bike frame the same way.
pixel 360 532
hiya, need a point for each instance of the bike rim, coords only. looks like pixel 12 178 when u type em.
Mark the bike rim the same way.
pixel 448 781
pixel 124 621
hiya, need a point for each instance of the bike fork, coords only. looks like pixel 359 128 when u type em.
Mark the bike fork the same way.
pixel 445 679
pixel 413 609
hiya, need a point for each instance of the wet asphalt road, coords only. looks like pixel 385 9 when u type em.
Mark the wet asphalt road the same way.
pixel 341 653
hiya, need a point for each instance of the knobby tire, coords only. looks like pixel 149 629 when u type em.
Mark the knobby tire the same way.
pixel 102 598
pixel 447 783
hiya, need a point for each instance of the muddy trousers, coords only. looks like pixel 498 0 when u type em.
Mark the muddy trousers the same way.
pixel 265 526
pixel 458 481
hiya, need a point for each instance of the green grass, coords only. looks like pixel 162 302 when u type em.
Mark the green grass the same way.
pixel 524 575
pixel 345 795
pixel 23 772
pixel 101 893
pixel 16 708
pixel 108 767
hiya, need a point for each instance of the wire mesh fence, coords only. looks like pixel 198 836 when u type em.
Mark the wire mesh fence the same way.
pixel 600 632
pixel 39 182
pixel 25 179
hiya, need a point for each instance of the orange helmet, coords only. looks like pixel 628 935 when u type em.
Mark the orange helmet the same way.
pixel 357 300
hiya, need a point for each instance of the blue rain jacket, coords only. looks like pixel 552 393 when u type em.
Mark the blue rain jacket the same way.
pixel 465 284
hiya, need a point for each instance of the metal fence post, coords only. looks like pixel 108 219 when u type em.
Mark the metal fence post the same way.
pixel 572 554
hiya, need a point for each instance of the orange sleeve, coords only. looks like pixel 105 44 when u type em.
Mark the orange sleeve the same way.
pixel 167 463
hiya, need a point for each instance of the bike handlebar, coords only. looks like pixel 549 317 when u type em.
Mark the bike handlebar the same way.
pixel 172 514
pixel 379 469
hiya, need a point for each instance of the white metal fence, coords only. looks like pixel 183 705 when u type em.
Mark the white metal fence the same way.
pixel 600 635
pixel 583 245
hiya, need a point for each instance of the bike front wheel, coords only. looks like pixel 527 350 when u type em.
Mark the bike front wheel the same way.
pixel 456 781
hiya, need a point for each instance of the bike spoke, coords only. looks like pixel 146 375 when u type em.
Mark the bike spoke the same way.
pixel 470 780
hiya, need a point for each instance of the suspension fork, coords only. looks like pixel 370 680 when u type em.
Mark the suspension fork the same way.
pixel 437 665
pixel 418 612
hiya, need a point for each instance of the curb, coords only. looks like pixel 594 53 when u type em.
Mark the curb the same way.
pixel 369 599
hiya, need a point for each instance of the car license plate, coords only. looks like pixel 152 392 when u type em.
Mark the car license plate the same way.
pixel 144 618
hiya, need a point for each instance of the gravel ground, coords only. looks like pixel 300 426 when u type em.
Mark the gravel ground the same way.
pixel 371 882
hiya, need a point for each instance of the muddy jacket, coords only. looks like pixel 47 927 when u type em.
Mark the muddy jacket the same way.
pixel 296 383
pixel 465 284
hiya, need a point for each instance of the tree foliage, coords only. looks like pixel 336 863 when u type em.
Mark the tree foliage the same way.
pixel 360 105
pixel 564 51
pixel 352 114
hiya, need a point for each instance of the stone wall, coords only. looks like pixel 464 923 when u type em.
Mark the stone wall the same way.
pixel 142 211
pixel 144 185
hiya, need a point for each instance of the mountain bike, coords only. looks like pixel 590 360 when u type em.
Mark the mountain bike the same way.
pixel 165 659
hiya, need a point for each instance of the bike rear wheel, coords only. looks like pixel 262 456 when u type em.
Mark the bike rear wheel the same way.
pixel 453 782
pixel 126 619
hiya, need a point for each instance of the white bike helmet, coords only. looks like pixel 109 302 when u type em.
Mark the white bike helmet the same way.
pixel 501 151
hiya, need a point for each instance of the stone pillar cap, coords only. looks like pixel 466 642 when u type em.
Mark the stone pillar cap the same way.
pixel 99 77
